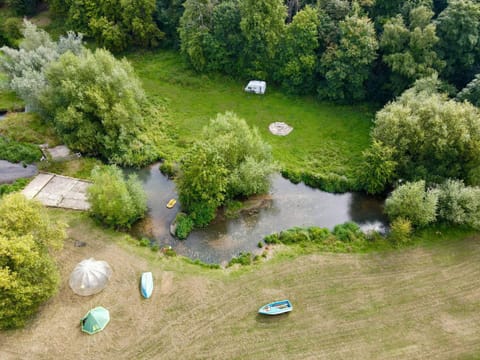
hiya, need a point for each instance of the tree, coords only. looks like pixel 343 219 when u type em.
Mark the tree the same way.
pixel 297 52
pixel 346 66
pixel 25 67
pixel 168 17
pixel 409 51
pixel 24 7
pixel 115 201
pixel 458 28
pixel 195 25
pixel 224 44
pixel 229 160
pixel 115 24
pixel 471 92
pixel 28 275
pixel 434 138
pixel 262 24
pixel 98 107
pixel 412 202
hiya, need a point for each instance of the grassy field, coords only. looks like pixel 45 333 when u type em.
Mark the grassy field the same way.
pixel 411 304
pixel 326 138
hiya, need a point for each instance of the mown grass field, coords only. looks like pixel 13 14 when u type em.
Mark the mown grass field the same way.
pixel 418 303
pixel 326 138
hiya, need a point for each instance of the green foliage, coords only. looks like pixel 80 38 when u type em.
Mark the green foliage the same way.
pixel 168 17
pixel 346 65
pixel 348 232
pixel 459 204
pixel 184 225
pixel 115 24
pixel 99 108
pixel 262 24
pixel 18 185
pixel 16 152
pixel 400 231
pixel 471 92
pixel 224 43
pixel 410 50
pixel 28 276
pixel 114 201
pixel 168 169
pixel 379 168
pixel 330 182
pixel 434 138
pixel 228 160
pixel 202 264
pixel 413 202
pixel 242 259
pixel 232 208
pixel 458 28
pixel 23 7
pixel 297 52
pixel 195 25
pixel 25 67
pixel 144 242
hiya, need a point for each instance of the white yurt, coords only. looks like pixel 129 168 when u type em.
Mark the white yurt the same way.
pixel 90 276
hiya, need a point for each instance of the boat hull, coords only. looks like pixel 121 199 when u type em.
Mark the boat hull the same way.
pixel 146 284
pixel 276 308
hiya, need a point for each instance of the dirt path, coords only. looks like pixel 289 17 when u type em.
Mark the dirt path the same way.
pixel 414 304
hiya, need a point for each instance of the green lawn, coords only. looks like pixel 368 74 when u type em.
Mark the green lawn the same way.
pixel 326 138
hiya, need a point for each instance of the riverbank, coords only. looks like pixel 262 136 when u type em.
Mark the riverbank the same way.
pixel 415 303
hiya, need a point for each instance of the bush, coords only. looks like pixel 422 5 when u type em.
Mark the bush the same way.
pixel 16 152
pixel 242 259
pixel 114 201
pixel 400 231
pixel 18 185
pixel 348 232
pixel 184 225
pixel 144 242
pixel 459 204
pixel 411 201
pixel 202 214
pixel 28 275
pixel 167 168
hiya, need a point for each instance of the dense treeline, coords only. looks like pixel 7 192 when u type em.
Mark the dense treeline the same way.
pixel 340 50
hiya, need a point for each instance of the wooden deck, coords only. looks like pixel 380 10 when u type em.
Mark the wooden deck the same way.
pixel 58 191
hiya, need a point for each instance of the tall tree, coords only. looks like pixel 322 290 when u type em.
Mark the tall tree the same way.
pixel 262 24
pixel 458 28
pixel 346 65
pixel 195 26
pixel 297 52
pixel 224 44
pixel 98 107
pixel 409 50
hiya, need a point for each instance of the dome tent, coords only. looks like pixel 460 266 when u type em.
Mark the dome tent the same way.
pixel 95 320
pixel 90 277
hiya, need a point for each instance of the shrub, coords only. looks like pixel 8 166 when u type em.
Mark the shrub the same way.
pixel 272 239
pixel 348 232
pixel 19 152
pixel 459 204
pixel 400 231
pixel 184 225
pixel 318 234
pixel 144 242
pixel 202 214
pixel 115 201
pixel 242 259
pixel 411 201
pixel 28 275
pixel 167 168
pixel 18 185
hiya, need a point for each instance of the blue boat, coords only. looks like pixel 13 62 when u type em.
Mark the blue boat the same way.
pixel 146 284
pixel 276 308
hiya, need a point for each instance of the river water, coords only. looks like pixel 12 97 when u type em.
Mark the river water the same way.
pixel 286 206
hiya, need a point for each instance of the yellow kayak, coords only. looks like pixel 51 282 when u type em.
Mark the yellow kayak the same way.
pixel 171 203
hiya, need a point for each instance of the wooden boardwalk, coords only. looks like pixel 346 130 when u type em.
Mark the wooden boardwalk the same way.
pixel 58 191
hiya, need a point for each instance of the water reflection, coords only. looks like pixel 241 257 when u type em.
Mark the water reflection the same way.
pixel 288 205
